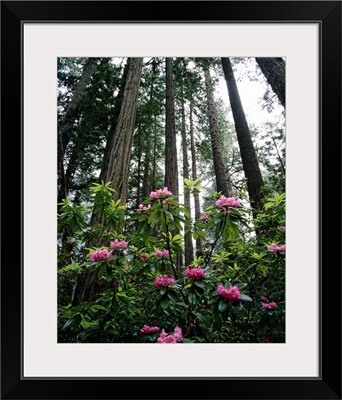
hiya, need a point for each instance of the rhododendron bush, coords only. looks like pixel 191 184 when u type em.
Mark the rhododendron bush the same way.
pixel 120 278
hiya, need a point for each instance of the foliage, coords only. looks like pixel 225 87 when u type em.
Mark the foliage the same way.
pixel 93 119
pixel 124 258
pixel 233 292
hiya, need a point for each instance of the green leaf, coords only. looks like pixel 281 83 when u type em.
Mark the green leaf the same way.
pixel 199 283
pixel 199 233
pixel 169 215
pixel 203 319
pixel 197 180
pixel 245 297
pixel 119 269
pixel 192 298
pixel 117 203
pixel 124 298
pixel 188 182
pixel 222 305
pixel 178 224
pixel 181 304
pixel 172 296
pixel 164 303
pixel 241 285
pixel 68 323
pixel 177 237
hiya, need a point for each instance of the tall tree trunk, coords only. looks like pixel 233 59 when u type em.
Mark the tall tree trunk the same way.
pixel 274 71
pixel 278 154
pixel 194 173
pixel 188 245
pixel 171 163
pixel 220 174
pixel 248 155
pixel 65 126
pixel 146 186
pixel 119 157
pixel 138 196
pixel 154 163
pixel 171 159
pixel 120 152
pixel 72 165
pixel 115 117
pixel 95 219
pixel 146 179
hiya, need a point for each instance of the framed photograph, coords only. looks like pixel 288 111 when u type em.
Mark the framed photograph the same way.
pixel 86 310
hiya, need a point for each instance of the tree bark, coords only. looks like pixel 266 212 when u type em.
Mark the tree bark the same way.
pixel 171 164
pixel 147 163
pixel 220 174
pixel 65 126
pixel 248 155
pixel 188 245
pixel 119 156
pixel 194 173
pixel 154 161
pixel 171 158
pixel 115 117
pixel 139 157
pixel 274 71
pixel 120 152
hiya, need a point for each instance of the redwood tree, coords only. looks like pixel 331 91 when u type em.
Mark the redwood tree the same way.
pixel 188 250
pixel 118 159
pixel 274 71
pixel 65 125
pixel 171 157
pixel 194 172
pixel 171 163
pixel 220 174
pixel 120 152
pixel 248 155
pixel 115 117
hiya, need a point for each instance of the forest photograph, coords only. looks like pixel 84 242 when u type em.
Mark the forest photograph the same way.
pixel 171 200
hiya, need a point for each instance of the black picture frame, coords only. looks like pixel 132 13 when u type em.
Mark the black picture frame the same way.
pixel 328 384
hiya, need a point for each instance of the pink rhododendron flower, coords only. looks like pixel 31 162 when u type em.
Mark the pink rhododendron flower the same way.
pixel 225 202
pixel 264 299
pixel 164 281
pixel 274 247
pixel 178 334
pixel 172 338
pixel 269 306
pixel 204 217
pixel 149 329
pixel 232 294
pixel 118 244
pixel 144 257
pixel 162 253
pixel 195 273
pixel 99 255
pixel 144 208
pixel 166 338
pixel 160 192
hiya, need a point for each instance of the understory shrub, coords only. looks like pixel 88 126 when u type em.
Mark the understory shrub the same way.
pixel 121 278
